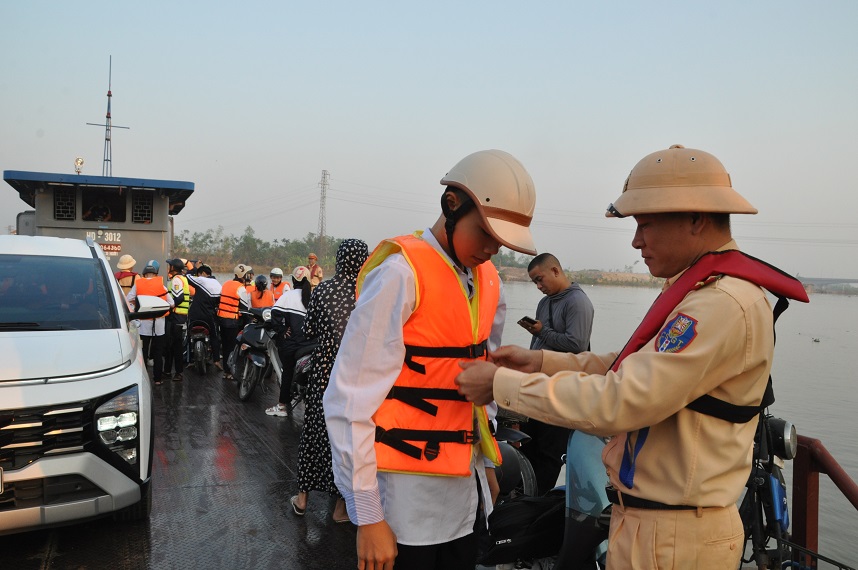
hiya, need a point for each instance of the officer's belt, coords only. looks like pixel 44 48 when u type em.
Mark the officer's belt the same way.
pixel 638 503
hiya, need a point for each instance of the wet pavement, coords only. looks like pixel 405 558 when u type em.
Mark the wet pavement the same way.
pixel 223 472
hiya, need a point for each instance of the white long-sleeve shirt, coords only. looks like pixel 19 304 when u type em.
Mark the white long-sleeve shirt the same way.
pixel 421 510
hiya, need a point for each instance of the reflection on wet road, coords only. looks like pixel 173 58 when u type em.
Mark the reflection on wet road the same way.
pixel 223 474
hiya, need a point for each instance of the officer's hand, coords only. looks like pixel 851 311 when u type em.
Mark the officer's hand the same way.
pixel 517 358
pixel 476 381
pixel 376 546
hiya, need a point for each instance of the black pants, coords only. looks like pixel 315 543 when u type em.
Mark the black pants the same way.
pixel 545 451
pixel 174 345
pixel 229 329
pixel 153 347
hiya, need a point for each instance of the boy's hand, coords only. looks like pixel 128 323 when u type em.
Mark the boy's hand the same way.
pixel 476 381
pixel 517 358
pixel 376 546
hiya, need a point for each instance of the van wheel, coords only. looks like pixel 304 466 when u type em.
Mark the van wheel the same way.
pixel 140 510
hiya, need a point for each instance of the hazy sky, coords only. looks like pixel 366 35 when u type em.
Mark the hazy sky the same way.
pixel 252 100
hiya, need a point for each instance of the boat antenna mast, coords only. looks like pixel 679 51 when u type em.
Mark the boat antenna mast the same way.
pixel 107 167
pixel 323 184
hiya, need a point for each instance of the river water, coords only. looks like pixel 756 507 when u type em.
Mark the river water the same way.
pixel 814 380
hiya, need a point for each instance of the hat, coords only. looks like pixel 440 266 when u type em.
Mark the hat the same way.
pixel 241 270
pixel 152 266
pixel 276 271
pixel 678 179
pixel 300 273
pixel 176 264
pixel 312 256
pixel 502 191
pixel 125 262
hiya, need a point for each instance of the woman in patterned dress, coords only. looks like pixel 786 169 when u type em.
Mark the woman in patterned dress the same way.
pixel 327 314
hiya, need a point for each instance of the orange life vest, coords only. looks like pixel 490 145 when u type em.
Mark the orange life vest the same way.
pixel 424 425
pixel 278 290
pixel 267 299
pixel 228 307
pixel 153 286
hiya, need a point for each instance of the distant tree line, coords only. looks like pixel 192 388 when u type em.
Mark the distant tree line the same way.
pixel 223 251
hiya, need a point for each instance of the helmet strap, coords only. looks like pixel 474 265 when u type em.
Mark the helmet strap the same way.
pixel 452 217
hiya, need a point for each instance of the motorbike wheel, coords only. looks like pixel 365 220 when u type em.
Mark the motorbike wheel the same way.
pixel 200 360
pixel 516 477
pixel 528 476
pixel 247 381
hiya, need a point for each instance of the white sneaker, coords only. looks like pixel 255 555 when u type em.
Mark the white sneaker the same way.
pixel 277 410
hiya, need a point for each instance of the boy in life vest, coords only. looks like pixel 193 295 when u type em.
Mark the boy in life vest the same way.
pixel 683 398
pixel 408 451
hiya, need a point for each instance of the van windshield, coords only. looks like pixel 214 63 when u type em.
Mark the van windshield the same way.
pixel 54 293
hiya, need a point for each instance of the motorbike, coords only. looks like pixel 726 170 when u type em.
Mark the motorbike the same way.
pixel 199 346
pixel 255 354
pixel 764 509
pixel 515 477
pixel 301 375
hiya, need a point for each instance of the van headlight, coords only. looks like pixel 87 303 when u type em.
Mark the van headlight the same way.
pixel 117 425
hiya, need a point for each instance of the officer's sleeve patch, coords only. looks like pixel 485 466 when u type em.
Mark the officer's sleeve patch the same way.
pixel 676 334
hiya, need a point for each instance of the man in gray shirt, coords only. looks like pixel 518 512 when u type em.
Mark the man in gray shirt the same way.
pixel 564 321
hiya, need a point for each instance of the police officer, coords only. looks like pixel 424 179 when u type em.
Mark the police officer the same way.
pixel 703 351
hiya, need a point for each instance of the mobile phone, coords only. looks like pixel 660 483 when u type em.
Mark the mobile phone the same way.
pixel 527 321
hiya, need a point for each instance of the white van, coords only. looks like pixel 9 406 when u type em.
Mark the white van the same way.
pixel 75 396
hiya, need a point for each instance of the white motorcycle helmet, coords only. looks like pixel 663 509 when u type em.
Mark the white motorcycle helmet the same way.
pixel 503 192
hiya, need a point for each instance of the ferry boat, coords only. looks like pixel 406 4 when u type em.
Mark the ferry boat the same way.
pixel 123 215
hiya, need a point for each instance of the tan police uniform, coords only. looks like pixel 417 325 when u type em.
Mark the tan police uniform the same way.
pixel 688 458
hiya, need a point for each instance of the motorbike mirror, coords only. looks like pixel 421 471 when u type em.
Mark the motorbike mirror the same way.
pixel 266 314
pixel 784 438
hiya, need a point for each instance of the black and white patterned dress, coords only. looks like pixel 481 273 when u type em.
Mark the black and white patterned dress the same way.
pixel 327 314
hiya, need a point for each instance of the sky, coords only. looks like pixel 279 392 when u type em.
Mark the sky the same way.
pixel 252 102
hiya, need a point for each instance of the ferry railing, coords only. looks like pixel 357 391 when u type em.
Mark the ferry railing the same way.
pixel 811 460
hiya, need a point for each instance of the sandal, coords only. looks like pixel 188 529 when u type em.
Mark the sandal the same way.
pixel 278 410
pixel 298 510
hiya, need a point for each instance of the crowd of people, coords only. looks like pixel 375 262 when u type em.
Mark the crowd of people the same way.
pixel 409 368
pixel 196 296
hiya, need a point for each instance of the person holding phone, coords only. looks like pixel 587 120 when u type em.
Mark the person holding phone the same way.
pixel 564 322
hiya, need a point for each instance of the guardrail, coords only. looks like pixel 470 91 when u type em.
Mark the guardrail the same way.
pixel 811 460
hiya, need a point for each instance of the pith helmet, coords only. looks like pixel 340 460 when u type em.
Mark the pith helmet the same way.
pixel 678 179
pixel 503 192
pixel 125 262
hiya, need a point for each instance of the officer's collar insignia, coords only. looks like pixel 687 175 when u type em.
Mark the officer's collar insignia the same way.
pixel 676 334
